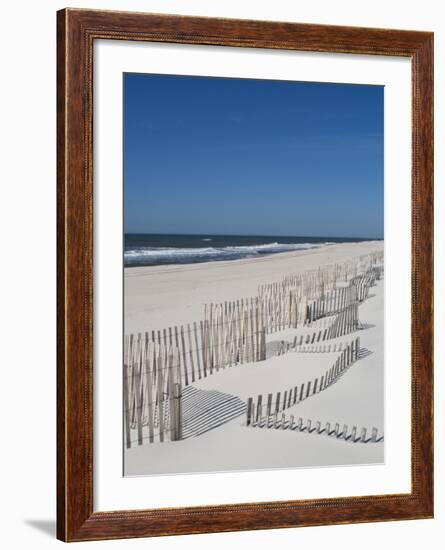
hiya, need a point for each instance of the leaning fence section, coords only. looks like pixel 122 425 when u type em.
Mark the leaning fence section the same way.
pixel 330 429
pixel 342 324
pixel 305 297
pixel 264 409
pixel 331 302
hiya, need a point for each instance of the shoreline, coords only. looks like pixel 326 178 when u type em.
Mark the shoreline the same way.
pixel 259 258
pixel 157 297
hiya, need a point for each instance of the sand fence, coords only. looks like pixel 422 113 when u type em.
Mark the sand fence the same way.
pixel 152 392
pixel 158 364
pixel 353 435
pixel 260 410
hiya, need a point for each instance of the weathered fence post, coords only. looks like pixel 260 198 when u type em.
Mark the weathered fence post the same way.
pixel 126 408
pixel 249 411
pixel 178 411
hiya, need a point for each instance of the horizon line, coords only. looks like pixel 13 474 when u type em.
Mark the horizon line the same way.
pixel 254 235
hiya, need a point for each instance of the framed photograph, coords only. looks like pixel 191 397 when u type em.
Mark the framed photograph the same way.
pixel 245 231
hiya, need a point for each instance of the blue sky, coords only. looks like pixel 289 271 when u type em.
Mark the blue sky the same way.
pixel 253 157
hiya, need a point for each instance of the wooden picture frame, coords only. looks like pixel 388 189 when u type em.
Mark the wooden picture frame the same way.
pixel 77 31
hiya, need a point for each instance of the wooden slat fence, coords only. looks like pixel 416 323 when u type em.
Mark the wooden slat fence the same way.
pixel 332 302
pixel 152 392
pixel 309 284
pixel 263 408
pixel 316 286
pixel 353 435
pixel 212 344
pixel 344 323
pixel 235 332
pixel 159 363
pixel 317 348
pixel 365 281
pixel 270 313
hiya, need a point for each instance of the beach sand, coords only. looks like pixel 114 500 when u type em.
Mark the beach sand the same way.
pixel 162 296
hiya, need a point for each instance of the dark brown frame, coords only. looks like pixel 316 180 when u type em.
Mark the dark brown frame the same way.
pixel 77 30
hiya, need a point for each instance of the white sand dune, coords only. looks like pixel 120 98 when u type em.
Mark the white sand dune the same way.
pixel 164 296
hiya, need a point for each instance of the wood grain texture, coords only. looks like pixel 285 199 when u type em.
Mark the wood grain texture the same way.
pixel 76 32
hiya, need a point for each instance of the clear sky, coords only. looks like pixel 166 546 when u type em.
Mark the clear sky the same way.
pixel 255 157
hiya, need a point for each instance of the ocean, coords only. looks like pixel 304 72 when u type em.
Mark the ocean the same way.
pixel 162 249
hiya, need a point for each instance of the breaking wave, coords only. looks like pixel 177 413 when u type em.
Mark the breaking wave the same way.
pixel 172 255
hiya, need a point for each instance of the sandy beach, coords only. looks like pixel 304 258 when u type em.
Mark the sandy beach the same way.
pixel 163 296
